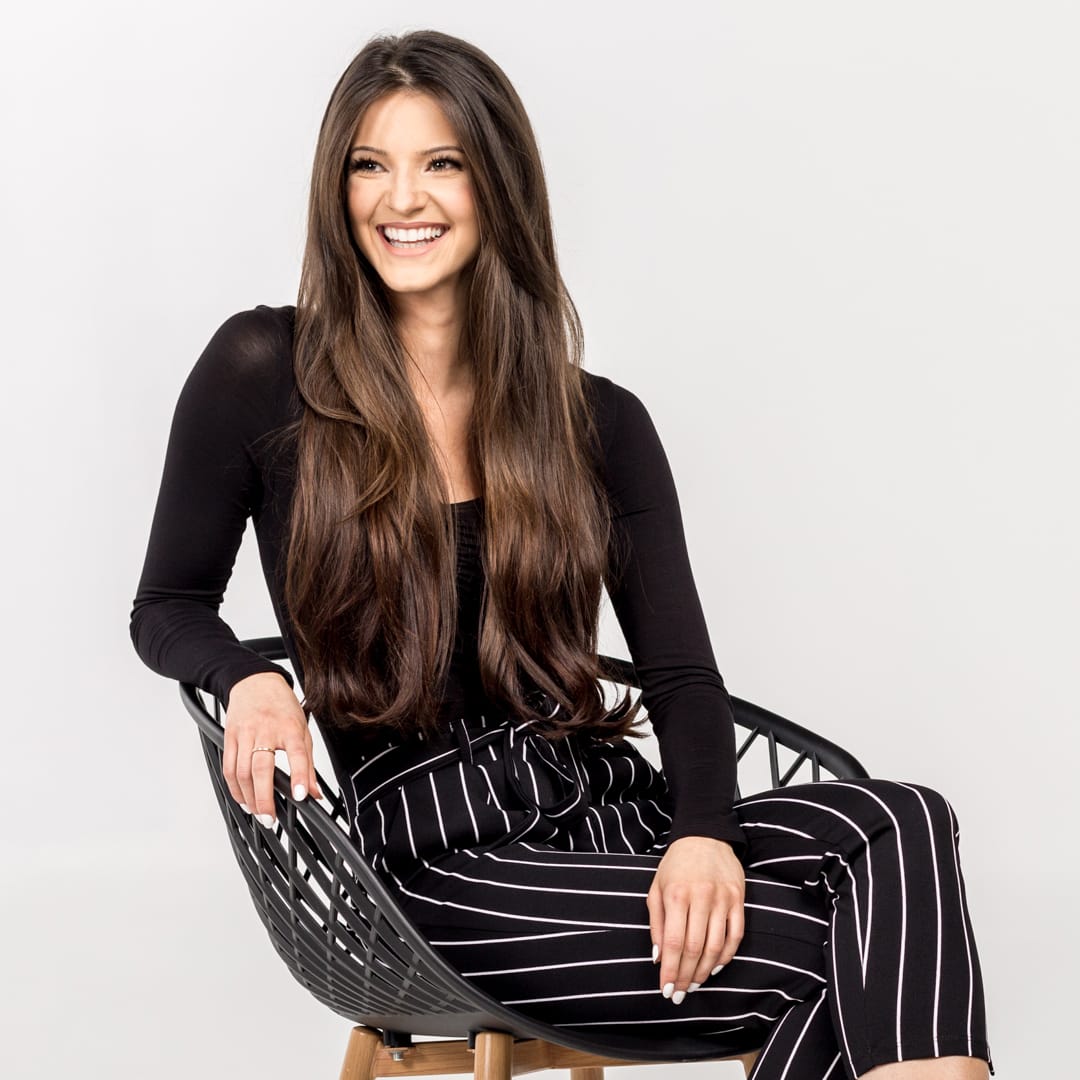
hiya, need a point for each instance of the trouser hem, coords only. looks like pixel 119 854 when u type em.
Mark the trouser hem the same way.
pixel 910 1051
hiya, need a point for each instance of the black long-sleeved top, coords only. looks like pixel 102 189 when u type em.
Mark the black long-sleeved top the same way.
pixel 220 470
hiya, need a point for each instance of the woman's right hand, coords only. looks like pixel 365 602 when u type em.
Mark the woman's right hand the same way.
pixel 264 711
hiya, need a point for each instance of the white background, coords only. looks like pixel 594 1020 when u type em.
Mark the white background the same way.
pixel 833 247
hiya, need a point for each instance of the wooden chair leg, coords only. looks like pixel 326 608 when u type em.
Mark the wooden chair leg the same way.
pixel 494 1055
pixel 364 1043
pixel 587 1074
pixel 748 1060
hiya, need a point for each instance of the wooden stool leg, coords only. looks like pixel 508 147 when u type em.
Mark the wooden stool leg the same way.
pixel 364 1043
pixel 587 1074
pixel 494 1055
pixel 748 1060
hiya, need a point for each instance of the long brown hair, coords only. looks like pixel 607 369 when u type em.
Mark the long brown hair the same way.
pixel 370 582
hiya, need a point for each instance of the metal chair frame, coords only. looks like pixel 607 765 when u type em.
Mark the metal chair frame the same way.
pixel 344 937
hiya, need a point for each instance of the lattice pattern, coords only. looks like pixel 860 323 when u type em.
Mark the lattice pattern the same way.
pixel 342 935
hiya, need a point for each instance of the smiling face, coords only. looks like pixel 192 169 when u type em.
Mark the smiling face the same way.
pixel 409 195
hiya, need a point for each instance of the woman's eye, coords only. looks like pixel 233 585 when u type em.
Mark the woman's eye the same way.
pixel 369 165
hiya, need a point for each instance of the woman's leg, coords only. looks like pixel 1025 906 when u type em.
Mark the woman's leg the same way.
pixel 564 936
pixel 904 980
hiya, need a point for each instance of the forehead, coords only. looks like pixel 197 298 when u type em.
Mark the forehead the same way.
pixel 404 122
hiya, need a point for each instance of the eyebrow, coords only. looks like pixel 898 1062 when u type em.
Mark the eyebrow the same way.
pixel 420 153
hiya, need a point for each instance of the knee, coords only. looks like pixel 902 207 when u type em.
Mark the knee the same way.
pixel 918 805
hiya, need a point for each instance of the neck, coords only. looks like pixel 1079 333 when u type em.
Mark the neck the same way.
pixel 430 328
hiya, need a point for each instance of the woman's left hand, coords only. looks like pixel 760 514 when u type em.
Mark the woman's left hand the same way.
pixel 695 911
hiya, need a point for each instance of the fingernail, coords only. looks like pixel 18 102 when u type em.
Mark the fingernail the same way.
pixel 668 988
pixel 265 819
pixel 655 953
pixel 298 792
pixel 678 998
pixel 244 807
pixel 716 969
pixel 693 987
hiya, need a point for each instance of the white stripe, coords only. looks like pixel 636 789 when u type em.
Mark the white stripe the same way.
pixel 937 894
pixel 746 990
pixel 555 967
pixel 866 842
pixel 588 825
pixel 671 1020
pixel 494 800
pixel 468 801
pixel 903 902
pixel 408 823
pixel 778 884
pixel 532 774
pixel 618 821
pixel 963 918
pixel 778 828
pixel 611 779
pixel 793 914
pixel 382 821
pixel 776 963
pixel 511 915
pixel 566 865
pixel 603 836
pixel 836 987
pixel 529 887
pixel 773 1038
pixel 627 993
pixel 651 832
pixel 829 1070
pixel 515 938
pixel 802 1034
pixel 438 809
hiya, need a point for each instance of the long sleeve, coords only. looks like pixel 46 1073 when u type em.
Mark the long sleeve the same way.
pixel 659 611
pixel 210 486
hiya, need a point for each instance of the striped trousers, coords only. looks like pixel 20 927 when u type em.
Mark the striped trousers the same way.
pixel 526 863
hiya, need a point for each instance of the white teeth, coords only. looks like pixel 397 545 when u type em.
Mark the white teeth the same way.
pixel 413 235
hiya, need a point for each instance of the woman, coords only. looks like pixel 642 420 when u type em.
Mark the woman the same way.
pixel 440 491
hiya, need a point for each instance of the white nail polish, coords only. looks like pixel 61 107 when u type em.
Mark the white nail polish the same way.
pixel 668 988
pixel 678 998
pixel 244 807
pixel 693 987
pixel 298 792
pixel 716 969
pixel 266 820
pixel 655 953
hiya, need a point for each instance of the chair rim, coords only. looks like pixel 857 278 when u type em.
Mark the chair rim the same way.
pixel 490 1014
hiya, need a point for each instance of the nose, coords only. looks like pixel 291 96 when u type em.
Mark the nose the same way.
pixel 406 192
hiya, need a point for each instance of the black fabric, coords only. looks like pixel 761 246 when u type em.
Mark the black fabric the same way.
pixel 224 466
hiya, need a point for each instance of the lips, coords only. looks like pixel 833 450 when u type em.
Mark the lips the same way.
pixel 409 248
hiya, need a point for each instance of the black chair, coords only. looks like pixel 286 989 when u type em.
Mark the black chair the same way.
pixel 343 936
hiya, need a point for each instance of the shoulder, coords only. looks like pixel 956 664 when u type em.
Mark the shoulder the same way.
pixel 620 414
pixel 254 345
pixel 247 366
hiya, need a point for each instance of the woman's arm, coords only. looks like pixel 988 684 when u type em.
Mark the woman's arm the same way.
pixel 696 899
pixel 657 604
pixel 210 485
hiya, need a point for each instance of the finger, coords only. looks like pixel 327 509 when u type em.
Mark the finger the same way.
pixel 656 922
pixel 300 767
pixel 244 778
pixel 262 775
pixel 671 945
pixel 736 924
pixel 697 931
pixel 228 768
pixel 714 943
